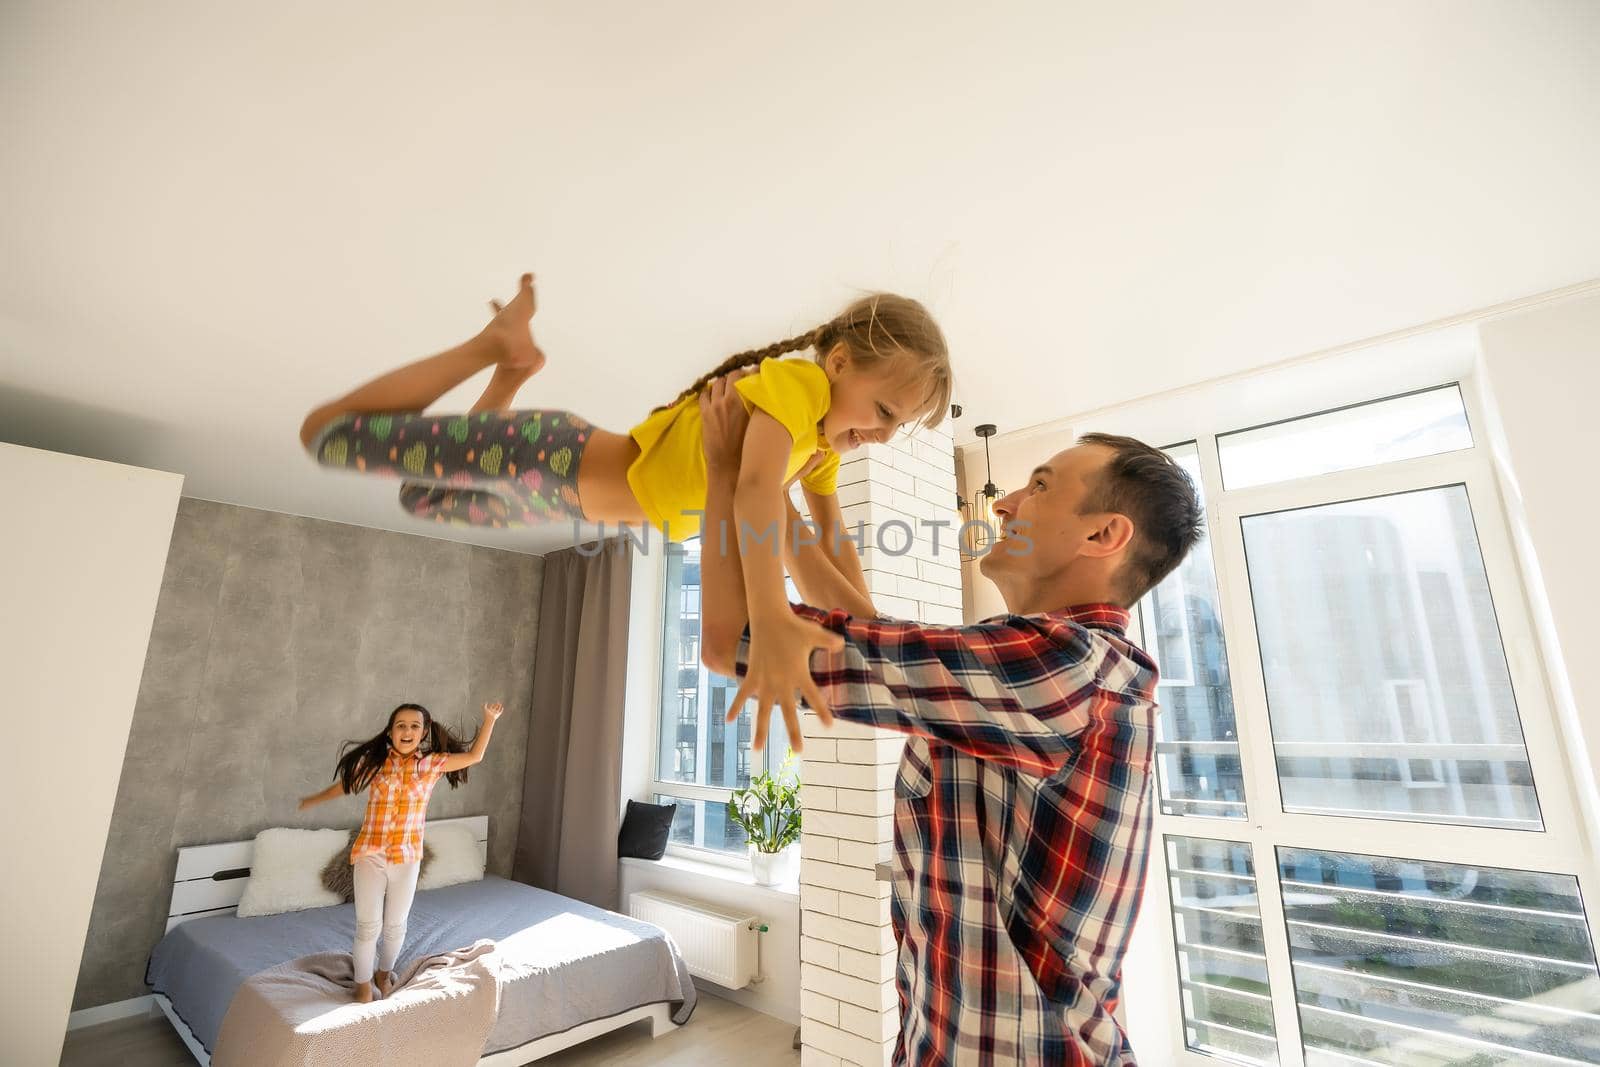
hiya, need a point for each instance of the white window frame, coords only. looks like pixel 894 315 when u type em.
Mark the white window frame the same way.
pixel 763 761
pixel 1199 416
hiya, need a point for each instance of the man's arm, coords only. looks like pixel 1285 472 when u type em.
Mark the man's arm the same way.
pixel 783 667
pixel 819 581
pixel 1018 692
pixel 724 612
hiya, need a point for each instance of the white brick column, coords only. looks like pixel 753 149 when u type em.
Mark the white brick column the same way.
pixel 849 1011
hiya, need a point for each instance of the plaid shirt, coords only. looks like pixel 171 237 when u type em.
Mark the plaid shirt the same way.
pixel 397 808
pixel 1021 824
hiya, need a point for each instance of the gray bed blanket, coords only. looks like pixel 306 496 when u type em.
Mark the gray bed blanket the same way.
pixel 562 962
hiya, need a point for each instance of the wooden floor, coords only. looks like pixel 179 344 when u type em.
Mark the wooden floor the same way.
pixel 721 1034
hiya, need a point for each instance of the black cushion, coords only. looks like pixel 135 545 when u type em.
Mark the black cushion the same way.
pixel 645 829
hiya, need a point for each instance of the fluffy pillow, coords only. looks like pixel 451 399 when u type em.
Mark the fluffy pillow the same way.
pixel 456 857
pixel 338 876
pixel 286 869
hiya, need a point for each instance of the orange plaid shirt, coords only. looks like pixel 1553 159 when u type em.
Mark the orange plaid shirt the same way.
pixel 397 807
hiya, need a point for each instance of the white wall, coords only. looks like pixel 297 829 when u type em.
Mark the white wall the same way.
pixel 1010 457
pixel 847 957
pixel 778 994
pixel 1541 375
pixel 84 545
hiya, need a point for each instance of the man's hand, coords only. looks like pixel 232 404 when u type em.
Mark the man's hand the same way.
pixel 780 664
pixel 726 418
pixel 780 648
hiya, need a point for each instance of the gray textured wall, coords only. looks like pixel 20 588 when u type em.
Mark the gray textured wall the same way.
pixel 277 637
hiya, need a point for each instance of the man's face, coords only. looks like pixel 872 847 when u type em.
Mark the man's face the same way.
pixel 1048 531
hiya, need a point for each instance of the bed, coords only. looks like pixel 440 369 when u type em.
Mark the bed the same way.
pixel 573 971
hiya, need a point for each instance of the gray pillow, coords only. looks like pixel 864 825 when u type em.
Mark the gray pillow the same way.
pixel 338 878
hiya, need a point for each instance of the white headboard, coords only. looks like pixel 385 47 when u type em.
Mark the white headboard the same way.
pixel 210 878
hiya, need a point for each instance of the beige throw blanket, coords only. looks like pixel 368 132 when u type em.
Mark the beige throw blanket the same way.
pixel 302 1012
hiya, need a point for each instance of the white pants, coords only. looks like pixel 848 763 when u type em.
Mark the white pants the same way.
pixel 383 893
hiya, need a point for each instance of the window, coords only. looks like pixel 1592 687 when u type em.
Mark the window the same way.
pixel 1197 744
pixel 1426 423
pixel 1222 959
pixel 703 824
pixel 700 757
pixel 1366 840
pixel 1398 961
pixel 1382 656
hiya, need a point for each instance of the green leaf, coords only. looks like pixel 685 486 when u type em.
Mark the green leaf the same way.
pixel 768 809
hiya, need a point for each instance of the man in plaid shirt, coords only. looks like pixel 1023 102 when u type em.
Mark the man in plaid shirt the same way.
pixel 1022 812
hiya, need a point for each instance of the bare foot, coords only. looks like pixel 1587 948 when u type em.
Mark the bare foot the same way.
pixel 364 993
pixel 511 334
pixel 383 982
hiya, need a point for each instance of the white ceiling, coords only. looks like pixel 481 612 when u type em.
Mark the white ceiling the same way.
pixel 217 215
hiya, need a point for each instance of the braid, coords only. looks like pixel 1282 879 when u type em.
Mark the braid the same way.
pixel 817 337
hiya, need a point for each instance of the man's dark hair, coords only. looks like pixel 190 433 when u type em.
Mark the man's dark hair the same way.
pixel 1145 484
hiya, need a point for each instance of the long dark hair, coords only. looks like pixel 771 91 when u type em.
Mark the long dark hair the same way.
pixel 360 761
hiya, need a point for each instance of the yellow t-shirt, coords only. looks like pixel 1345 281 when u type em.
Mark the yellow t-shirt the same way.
pixel 669 477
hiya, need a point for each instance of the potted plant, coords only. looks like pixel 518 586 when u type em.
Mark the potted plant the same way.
pixel 768 811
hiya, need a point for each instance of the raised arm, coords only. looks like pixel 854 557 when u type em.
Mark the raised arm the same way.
pixel 782 650
pixel 839 549
pixel 819 579
pixel 334 790
pixel 456 761
pixel 1016 691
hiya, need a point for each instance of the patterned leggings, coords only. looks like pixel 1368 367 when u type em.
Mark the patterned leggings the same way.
pixel 495 468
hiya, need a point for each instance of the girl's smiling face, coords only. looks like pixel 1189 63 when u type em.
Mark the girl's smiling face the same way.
pixel 406 731
pixel 868 407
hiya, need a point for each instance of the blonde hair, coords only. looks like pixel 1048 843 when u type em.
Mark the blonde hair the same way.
pixel 874 331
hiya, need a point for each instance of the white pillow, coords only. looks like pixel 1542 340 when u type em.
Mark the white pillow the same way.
pixel 286 871
pixel 456 857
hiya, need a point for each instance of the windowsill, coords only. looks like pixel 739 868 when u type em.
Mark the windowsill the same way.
pixel 719 872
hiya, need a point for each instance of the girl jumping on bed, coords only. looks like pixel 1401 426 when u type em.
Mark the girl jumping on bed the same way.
pixel 399 768
pixel 878 366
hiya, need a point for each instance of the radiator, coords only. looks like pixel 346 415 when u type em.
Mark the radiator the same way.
pixel 718 945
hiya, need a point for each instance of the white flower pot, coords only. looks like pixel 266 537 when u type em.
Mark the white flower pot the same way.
pixel 773 868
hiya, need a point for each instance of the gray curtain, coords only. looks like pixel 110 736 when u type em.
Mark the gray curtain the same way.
pixel 567 842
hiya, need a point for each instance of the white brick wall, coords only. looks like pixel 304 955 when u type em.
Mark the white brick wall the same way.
pixel 848 1009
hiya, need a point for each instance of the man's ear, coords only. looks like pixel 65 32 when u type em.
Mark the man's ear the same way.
pixel 1113 534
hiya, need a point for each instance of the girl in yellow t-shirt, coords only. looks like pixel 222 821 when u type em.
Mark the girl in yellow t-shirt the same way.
pixel 879 365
